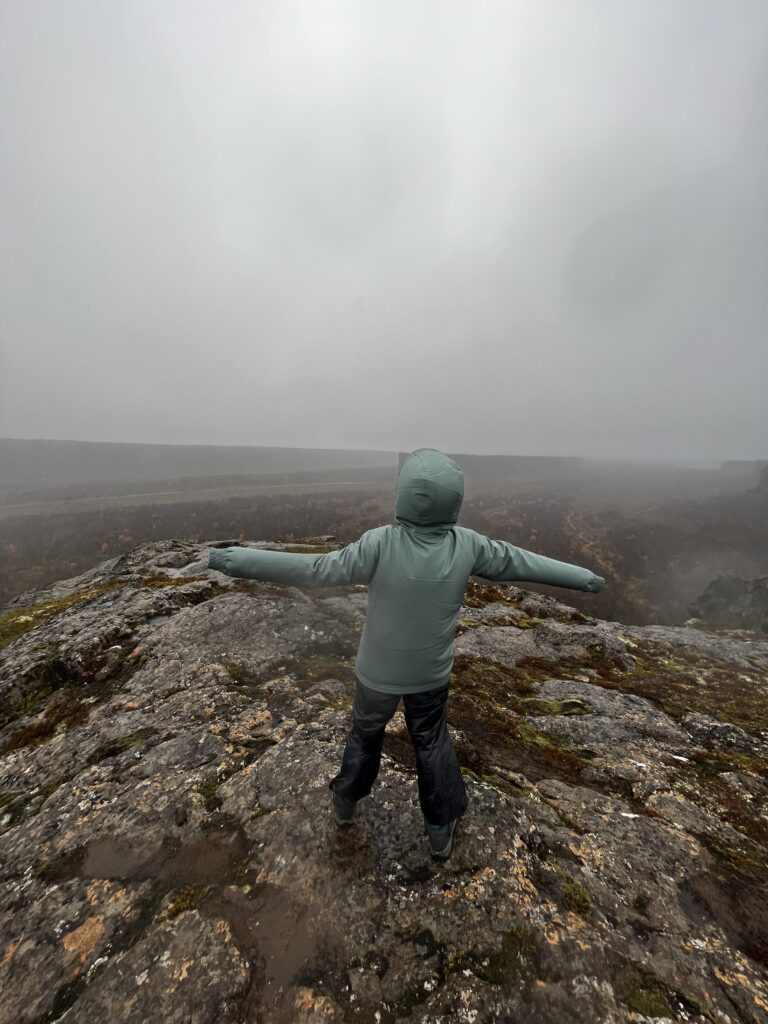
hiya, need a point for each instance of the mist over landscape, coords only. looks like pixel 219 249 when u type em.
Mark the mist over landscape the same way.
pixel 246 249
pixel 253 256
pixel 525 228
pixel 660 533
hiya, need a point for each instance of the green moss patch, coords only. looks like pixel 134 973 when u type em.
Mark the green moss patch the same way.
pixel 48 648
pixel 118 746
pixel 31 701
pixel 155 581
pixel 313 668
pixel 237 673
pixel 517 958
pixel 18 622
pixel 188 898
pixel 701 779
pixel 575 897
pixel 449 960
pixel 741 863
pixel 646 1000
pixel 478 595
pixel 207 790
pixel 209 786
pixel 63 710
pixel 523 622
pixel 680 681
pixel 487 703
pixel 644 992
pixel 518 621
pixel 550 752
pixel 674 680
pixel 464 624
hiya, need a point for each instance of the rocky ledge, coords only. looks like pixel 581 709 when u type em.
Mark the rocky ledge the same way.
pixel 168 851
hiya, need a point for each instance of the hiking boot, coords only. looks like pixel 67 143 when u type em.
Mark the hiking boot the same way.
pixel 441 839
pixel 344 809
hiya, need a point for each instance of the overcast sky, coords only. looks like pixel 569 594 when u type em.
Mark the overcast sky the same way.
pixel 531 227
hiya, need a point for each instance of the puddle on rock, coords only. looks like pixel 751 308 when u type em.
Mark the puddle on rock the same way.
pixel 207 860
pixel 271 932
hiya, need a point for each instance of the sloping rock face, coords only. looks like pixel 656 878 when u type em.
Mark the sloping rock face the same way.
pixel 168 851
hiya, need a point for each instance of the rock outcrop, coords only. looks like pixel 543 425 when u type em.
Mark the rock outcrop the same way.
pixel 730 602
pixel 168 851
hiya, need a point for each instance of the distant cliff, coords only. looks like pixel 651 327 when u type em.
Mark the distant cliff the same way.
pixel 46 461
pixel 167 850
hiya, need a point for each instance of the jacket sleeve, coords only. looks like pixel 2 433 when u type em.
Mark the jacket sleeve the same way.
pixel 499 560
pixel 354 563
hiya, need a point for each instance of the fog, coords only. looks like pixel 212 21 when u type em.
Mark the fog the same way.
pixel 517 227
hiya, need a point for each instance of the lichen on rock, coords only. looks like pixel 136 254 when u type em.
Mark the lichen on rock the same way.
pixel 168 851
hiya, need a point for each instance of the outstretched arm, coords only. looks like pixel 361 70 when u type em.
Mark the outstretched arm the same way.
pixel 499 560
pixel 354 563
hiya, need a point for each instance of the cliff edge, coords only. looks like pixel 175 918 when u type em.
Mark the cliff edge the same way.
pixel 168 851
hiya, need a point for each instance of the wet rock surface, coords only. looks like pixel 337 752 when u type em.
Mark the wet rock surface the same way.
pixel 168 850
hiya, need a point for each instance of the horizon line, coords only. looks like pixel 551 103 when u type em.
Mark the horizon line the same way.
pixel 661 459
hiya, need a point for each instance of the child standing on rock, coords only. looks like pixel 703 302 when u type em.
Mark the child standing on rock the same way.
pixel 417 573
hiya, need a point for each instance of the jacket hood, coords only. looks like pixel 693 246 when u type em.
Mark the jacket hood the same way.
pixel 429 491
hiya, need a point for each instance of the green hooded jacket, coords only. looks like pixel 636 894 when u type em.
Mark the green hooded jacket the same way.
pixel 416 572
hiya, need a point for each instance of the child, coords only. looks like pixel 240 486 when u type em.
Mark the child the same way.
pixel 417 573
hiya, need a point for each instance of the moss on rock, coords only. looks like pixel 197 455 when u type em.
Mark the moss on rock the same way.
pixel 15 624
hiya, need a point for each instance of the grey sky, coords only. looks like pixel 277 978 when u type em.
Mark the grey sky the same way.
pixel 517 227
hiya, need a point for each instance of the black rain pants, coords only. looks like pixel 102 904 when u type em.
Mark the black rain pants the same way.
pixel 442 793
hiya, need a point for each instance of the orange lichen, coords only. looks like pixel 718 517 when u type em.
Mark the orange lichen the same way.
pixel 82 940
